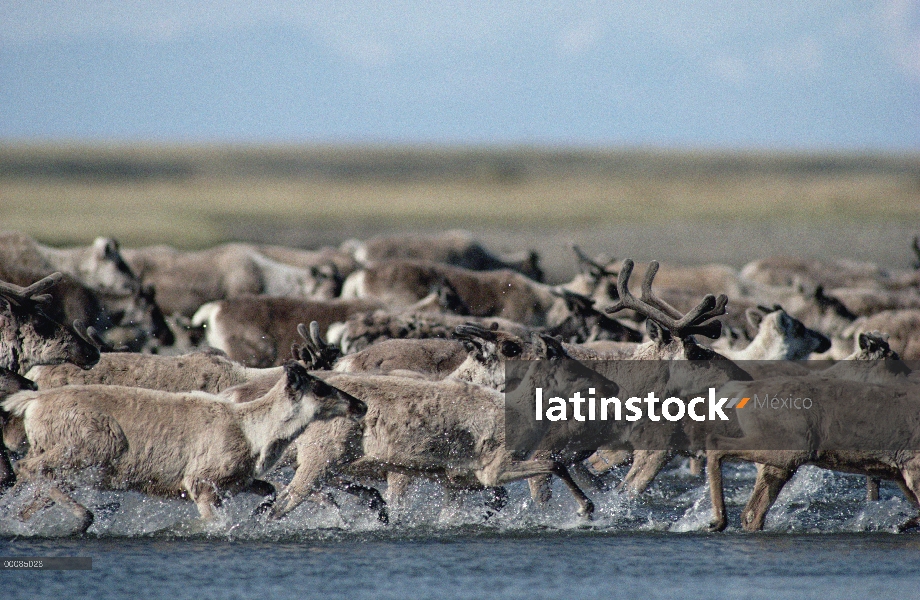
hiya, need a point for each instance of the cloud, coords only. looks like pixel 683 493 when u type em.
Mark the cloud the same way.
pixel 801 56
pixel 579 38
pixel 732 69
pixel 901 33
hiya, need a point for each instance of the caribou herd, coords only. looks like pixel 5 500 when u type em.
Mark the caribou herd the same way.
pixel 196 374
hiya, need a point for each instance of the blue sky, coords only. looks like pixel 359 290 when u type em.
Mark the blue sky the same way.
pixel 786 74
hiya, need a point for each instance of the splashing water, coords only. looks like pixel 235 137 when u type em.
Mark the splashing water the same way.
pixel 813 501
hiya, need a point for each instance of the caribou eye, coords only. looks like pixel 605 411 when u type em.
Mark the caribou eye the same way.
pixel 511 349
pixel 321 389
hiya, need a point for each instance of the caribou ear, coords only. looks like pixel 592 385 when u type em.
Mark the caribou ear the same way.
pixel 657 333
pixel 105 248
pixel 297 376
pixel 754 317
pixel 552 347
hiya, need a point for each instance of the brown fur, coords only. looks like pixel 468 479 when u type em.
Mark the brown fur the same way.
pixel 448 430
pixel 134 318
pixel 28 337
pixel 502 293
pixel 786 271
pixel 169 444
pixel 206 371
pixel 99 266
pixel 360 331
pixel 435 357
pixel 902 327
pixel 868 301
pixel 457 248
pixel 10 383
pixel 342 262
pixel 186 280
pixel 258 331
pixel 823 433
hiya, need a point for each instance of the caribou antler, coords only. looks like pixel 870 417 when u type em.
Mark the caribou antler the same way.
pixel 663 313
pixel 575 301
pixel 91 335
pixel 315 352
pixel 598 269
pixel 33 293
pixel 469 331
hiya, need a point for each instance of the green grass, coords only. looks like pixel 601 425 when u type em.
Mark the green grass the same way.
pixel 197 196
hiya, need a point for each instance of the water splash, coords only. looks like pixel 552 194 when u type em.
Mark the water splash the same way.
pixel 815 500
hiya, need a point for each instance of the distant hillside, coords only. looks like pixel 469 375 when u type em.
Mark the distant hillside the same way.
pixel 501 165
pixel 672 205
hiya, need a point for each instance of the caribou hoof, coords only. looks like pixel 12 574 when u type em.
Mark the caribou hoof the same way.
pixel 586 512
pixel 275 514
pixel 263 507
pixel 718 525
pixel 109 508
pixel 909 524
pixel 379 504
pixel 86 520
pixel 7 482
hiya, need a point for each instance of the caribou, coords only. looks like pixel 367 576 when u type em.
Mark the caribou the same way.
pixel 166 444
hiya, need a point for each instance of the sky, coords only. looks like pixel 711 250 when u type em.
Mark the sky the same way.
pixel 782 74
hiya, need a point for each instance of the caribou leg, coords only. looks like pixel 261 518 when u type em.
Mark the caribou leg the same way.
pixel 646 465
pixel 517 470
pixel 910 485
pixel 872 485
pixel 7 476
pixel 369 495
pixel 265 489
pixel 770 481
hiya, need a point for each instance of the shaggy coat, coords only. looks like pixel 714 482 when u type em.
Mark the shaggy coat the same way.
pixel 99 266
pixel 501 293
pixel 186 280
pixel 450 430
pixel 204 371
pixel 258 331
pixel 169 444
pixel 457 248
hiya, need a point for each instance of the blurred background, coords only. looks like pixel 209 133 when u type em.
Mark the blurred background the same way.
pixel 683 131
